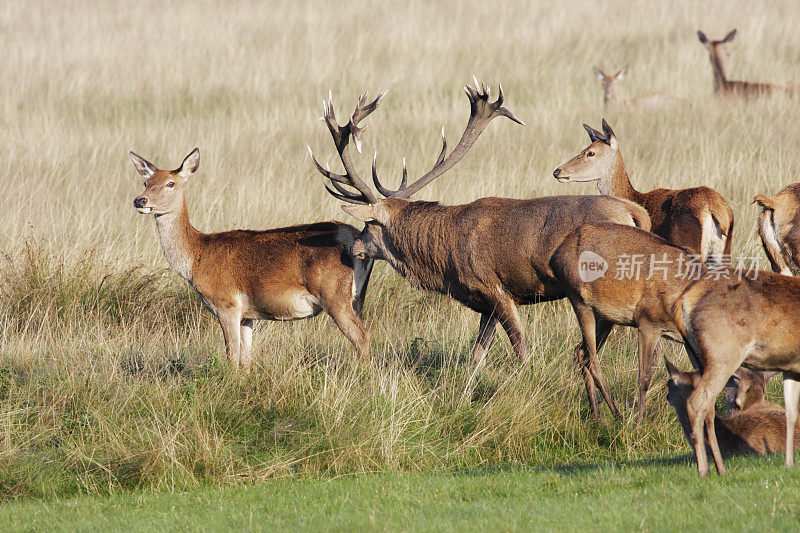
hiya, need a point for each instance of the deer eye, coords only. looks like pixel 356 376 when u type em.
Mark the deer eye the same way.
pixel 145 184
pixel 171 184
pixel 590 154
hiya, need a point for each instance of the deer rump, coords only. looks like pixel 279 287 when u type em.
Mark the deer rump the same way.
pixel 494 248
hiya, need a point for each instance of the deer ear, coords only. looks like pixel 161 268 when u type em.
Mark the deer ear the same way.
pixel 594 135
pixel 728 38
pixel 189 165
pixel 599 73
pixel 367 212
pixel 621 73
pixel 673 371
pixel 610 139
pixel 702 37
pixel 144 167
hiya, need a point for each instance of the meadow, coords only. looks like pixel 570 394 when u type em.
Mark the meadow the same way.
pixel 112 376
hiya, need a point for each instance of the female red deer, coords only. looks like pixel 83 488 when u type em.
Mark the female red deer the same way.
pixel 779 228
pixel 279 274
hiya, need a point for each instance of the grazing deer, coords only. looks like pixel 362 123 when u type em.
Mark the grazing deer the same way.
pixel 490 255
pixel 725 87
pixel 758 428
pixel 649 100
pixel 779 227
pixel 727 323
pixel 699 218
pixel 279 274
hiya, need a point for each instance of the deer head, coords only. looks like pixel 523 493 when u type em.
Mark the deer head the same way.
pixel 596 162
pixel 163 189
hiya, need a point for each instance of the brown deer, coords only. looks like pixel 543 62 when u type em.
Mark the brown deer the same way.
pixel 730 322
pixel 279 274
pixel 725 87
pixel 779 227
pixel 491 255
pixel 725 320
pixel 759 428
pixel 646 101
pixel 698 218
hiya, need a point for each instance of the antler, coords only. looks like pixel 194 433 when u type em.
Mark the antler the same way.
pixel 481 113
pixel 341 138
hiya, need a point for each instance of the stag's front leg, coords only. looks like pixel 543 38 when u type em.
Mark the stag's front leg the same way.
pixel 648 352
pixel 508 316
pixel 485 337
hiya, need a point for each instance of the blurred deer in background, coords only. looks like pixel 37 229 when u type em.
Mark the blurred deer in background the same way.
pixel 641 101
pixel 779 228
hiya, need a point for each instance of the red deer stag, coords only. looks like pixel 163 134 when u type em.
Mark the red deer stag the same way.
pixel 491 255
pixel 758 428
pixel 699 218
pixel 725 87
pixel 279 274
pixel 779 227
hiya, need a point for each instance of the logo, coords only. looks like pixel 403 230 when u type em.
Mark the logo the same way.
pixel 591 266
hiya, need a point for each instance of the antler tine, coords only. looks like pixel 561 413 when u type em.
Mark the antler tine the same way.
pixel 342 136
pixel 381 189
pixel 482 111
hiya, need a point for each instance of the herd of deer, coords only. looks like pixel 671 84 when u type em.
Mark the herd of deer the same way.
pixel 494 254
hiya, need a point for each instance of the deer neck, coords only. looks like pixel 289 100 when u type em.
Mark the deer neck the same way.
pixel 617 183
pixel 610 95
pixel 179 240
pixel 720 79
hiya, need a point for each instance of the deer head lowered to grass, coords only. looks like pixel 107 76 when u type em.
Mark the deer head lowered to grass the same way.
pixel 491 255
pixel 279 274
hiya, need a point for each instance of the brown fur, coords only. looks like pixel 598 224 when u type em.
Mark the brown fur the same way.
pixel 242 275
pixel 755 429
pixel 727 323
pixel 490 255
pixel 779 228
pixel 680 216
pixel 641 101
pixel 725 87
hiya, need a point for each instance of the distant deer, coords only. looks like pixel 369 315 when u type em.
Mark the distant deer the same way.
pixel 649 100
pixel 758 428
pixel 779 227
pixel 491 255
pixel 724 320
pixel 697 218
pixel 279 274
pixel 725 87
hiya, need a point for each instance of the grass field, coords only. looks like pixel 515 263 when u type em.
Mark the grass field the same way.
pixel 648 495
pixel 112 376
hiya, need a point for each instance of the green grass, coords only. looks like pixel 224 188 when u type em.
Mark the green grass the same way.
pixel 661 494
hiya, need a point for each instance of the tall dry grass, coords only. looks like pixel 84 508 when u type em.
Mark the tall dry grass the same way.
pixel 110 372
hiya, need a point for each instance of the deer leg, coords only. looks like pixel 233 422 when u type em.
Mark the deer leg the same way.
pixel 231 321
pixel 648 352
pixel 351 326
pixel 485 338
pixel 791 396
pixel 595 331
pixel 508 315
pixel 246 336
pixel 711 436
pixel 700 406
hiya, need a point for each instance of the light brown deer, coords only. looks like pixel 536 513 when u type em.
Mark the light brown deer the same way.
pixel 725 87
pixel 491 255
pixel 725 320
pixel 697 218
pixel 641 101
pixel 279 274
pixel 758 428
pixel 779 227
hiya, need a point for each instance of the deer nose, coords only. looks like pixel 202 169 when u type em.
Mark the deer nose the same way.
pixel 556 172
pixel 140 202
